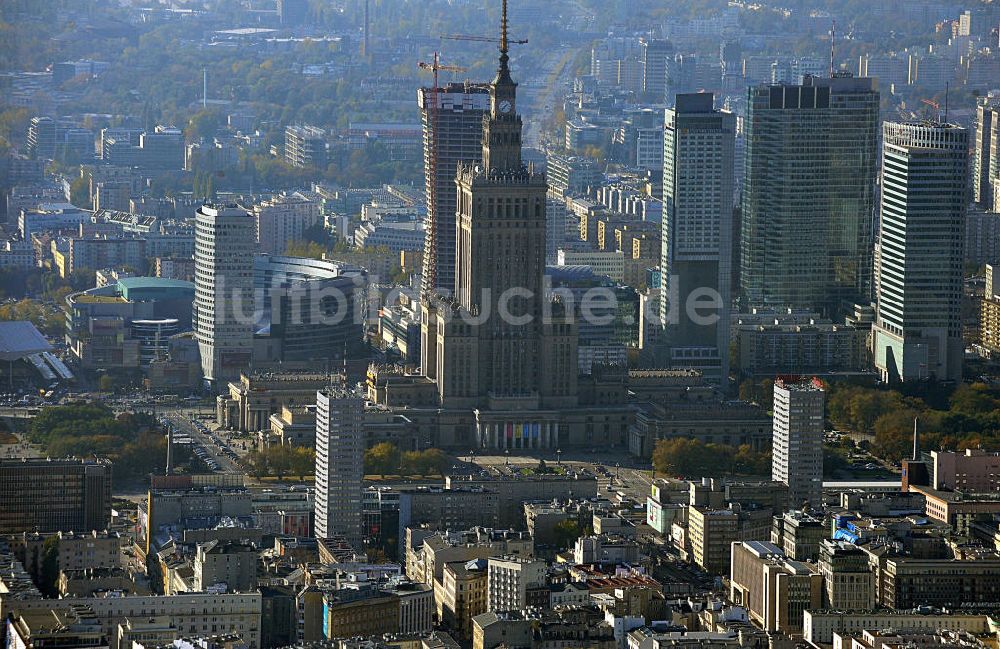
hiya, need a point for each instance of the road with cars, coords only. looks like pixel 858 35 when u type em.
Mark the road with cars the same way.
pixel 190 430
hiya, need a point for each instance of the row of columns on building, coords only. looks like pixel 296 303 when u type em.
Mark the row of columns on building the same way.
pixel 505 435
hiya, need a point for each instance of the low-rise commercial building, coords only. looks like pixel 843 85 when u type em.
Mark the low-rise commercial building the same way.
pixel 848 577
pixel 428 552
pixel 128 324
pixel 820 625
pixel 775 589
pixel 228 564
pixel 514 488
pixel 769 342
pixel 461 595
pixel 190 613
pixel 713 531
pixel 799 534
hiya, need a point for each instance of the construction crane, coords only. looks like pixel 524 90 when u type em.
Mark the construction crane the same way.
pixel 937 106
pixel 430 225
pixel 933 104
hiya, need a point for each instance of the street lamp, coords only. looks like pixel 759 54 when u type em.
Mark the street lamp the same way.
pixel 506 459
pixel 617 466
pixel 559 456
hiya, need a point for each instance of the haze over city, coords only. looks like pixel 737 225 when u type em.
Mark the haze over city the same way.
pixel 469 324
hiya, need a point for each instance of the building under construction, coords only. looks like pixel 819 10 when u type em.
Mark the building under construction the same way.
pixel 453 133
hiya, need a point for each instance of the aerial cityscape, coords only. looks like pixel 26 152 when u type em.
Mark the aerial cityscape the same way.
pixel 480 324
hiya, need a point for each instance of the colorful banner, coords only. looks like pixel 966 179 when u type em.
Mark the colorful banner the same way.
pixel 536 430
pixel 510 431
pixel 518 431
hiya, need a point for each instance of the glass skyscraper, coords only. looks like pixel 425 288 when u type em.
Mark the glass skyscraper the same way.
pixel 809 197
pixel 918 322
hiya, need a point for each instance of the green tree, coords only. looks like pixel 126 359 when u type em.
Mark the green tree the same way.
pixel 49 578
pixel 382 459
pixel 434 461
pixel 412 464
pixel 203 125
pixel 303 462
pixel 79 192
pixel 259 463
pixel 279 460
pixel 106 383
pixel 566 533
pixel 307 249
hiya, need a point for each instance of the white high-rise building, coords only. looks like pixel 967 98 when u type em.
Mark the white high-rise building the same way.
pixel 508 580
pixel 918 323
pixel 986 153
pixel 797 454
pixel 224 249
pixel 696 246
pixel 284 219
pixel 340 456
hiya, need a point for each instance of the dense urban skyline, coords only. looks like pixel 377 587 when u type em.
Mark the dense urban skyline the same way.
pixel 467 324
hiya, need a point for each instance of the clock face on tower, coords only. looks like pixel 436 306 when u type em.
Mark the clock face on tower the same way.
pixel 505 106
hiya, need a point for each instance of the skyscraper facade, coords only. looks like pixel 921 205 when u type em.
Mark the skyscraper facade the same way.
pixel 224 248
pixel 490 347
pixel 918 322
pixel 451 135
pixel 797 453
pixel 696 249
pixel 340 456
pixel 53 495
pixel 986 154
pixel 654 55
pixel 808 202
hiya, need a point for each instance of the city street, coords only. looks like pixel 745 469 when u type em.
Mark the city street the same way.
pixel 180 418
pixel 631 477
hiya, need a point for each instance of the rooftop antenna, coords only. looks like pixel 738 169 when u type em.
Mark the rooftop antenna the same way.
pixel 170 450
pixel 916 444
pixel 367 44
pixel 503 28
pixel 833 45
pixel 947 90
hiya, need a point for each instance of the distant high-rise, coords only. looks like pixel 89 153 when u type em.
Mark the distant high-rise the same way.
pixel 41 142
pixel 918 323
pixel 224 249
pixel 654 56
pixel 340 455
pixel 43 495
pixel 456 136
pixel 283 219
pixel 986 155
pixel 305 146
pixel 696 250
pixel 809 197
pixel 797 452
pixel 293 12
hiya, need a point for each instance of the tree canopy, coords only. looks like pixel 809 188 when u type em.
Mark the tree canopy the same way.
pixel 134 442
pixel 694 458
pixel 386 459
pixel 970 418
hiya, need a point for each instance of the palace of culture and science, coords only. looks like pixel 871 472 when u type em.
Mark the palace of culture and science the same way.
pixel 502 382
